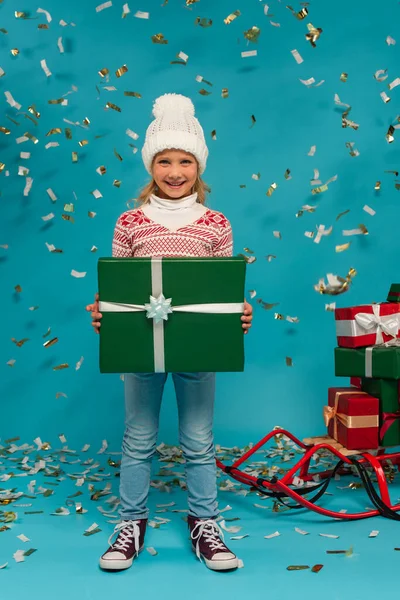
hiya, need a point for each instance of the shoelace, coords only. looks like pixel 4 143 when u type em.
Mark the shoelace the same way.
pixel 126 531
pixel 212 533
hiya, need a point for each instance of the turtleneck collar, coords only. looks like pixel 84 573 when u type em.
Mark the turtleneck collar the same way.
pixel 165 204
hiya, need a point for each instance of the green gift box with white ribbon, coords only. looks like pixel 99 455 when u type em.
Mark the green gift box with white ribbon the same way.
pixel 171 314
pixel 374 361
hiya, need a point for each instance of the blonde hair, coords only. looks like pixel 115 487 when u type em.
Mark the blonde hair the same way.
pixel 200 187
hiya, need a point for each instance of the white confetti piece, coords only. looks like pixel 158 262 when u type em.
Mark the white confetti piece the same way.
pixel 97 194
pixel 227 507
pixel 51 145
pixel 48 15
pixel 369 210
pixel 11 101
pixel 3 566
pixel 132 134
pixel 60 45
pixel 309 82
pixel 125 10
pixel 45 67
pixel 239 537
pixel 91 528
pixel 277 234
pixel 321 231
pixel 142 15
pixel 329 535
pixel 232 529
pixel 23 538
pixel 249 53
pixel 331 306
pixel 79 363
pixel 384 97
pixel 51 194
pixel 394 83
pixel 152 551
pixel 104 447
pixel 28 186
pixel 103 6
pixel 348 232
pixel 85 448
pixel 25 155
pixel 2 72
pixel 261 506
pixel 380 75
pixel 22 139
pixel 240 563
pixel 296 56
pixel 374 533
pixel 62 438
pixel 390 41
pixel 19 556
pixel 78 274
pixel 183 56
pixel 48 217
pixel 23 171
pixel 312 151
pixel 301 531
pixel 272 535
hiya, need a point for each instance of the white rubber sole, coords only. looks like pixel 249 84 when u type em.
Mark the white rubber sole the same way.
pixel 220 565
pixel 116 565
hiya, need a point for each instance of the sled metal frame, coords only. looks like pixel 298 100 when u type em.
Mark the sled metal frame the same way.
pixel 282 486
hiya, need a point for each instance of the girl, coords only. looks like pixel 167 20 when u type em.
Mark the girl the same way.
pixel 171 221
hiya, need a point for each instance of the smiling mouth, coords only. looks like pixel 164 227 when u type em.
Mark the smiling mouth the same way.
pixel 175 185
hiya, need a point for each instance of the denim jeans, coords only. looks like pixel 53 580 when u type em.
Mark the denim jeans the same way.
pixel 195 394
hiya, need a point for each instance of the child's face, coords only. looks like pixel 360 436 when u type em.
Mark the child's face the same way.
pixel 174 166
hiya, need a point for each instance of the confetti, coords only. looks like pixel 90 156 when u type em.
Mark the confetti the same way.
pixel 316 568
pixel 301 14
pixel 336 284
pixel 103 6
pixel 289 361
pixel 77 274
pixel 249 53
pixel 271 535
pixel 141 15
pixel 343 77
pixel 385 97
pixel 301 531
pixel 380 75
pixel 374 533
pixel 394 83
pixel 369 210
pixel 45 67
pixel 342 247
pixel 296 56
pixel 390 41
pixel 297 567
pixel 151 551
pixel 312 151
pixel 313 34
pixel 232 17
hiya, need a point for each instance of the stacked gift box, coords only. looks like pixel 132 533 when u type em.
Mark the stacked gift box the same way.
pixel 366 415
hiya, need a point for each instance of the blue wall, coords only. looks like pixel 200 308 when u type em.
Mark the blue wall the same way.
pixel 290 118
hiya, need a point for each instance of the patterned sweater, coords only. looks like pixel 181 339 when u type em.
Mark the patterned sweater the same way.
pixel 136 234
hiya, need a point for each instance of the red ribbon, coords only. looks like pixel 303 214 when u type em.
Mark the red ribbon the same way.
pixel 388 420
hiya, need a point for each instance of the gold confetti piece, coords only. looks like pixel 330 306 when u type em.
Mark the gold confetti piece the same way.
pixel 313 34
pixel 343 77
pixel 31 137
pixel 20 343
pixel 253 121
pixel 50 343
pixel 158 39
pixel 232 17
pixel 252 34
pixel 203 22
pixel 296 56
pixel 248 259
pixel 342 247
pixel 297 567
pixel 340 215
pixel 21 15
pixel 267 305
pixel 68 133
pixel 389 136
pixel 348 552
pixel 248 250
pixel 133 94
pixel 101 170
pixel 214 134
pixel 271 189
pixel 3 30
pixel 301 14
pixel 204 92
pixel 117 155
pixel 18 289
pixel 279 317
pixel 336 285
pixel 117 183
pixel 289 361
pixel 5 130
pixel 113 106
pixel 57 101
pixel 103 72
pixel 352 151
pixel 74 157
pixel 59 394
pixel 377 185
pixel 225 93
pixel 53 131
pixel 316 568
pixel 60 367
pixel 69 218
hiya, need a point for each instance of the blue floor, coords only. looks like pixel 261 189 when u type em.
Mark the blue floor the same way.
pixel 65 563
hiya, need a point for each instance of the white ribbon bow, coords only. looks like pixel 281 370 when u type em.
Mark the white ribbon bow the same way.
pixel 374 322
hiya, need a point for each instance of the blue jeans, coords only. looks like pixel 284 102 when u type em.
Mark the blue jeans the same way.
pixel 195 394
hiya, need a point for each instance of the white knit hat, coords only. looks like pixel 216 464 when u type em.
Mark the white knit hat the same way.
pixel 174 127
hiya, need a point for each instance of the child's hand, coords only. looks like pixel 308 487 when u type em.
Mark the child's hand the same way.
pixel 96 315
pixel 247 316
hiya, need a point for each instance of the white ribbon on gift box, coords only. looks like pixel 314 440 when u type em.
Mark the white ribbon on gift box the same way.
pixel 158 327
pixel 367 323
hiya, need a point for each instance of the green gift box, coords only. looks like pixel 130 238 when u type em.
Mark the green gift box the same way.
pixel 387 390
pixel 394 293
pixel 381 362
pixel 171 314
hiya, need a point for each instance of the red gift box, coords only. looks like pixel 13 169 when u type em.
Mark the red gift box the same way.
pixel 356 381
pixel 352 418
pixel 368 325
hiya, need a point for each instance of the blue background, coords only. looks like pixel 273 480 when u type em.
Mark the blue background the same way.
pixel 290 118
